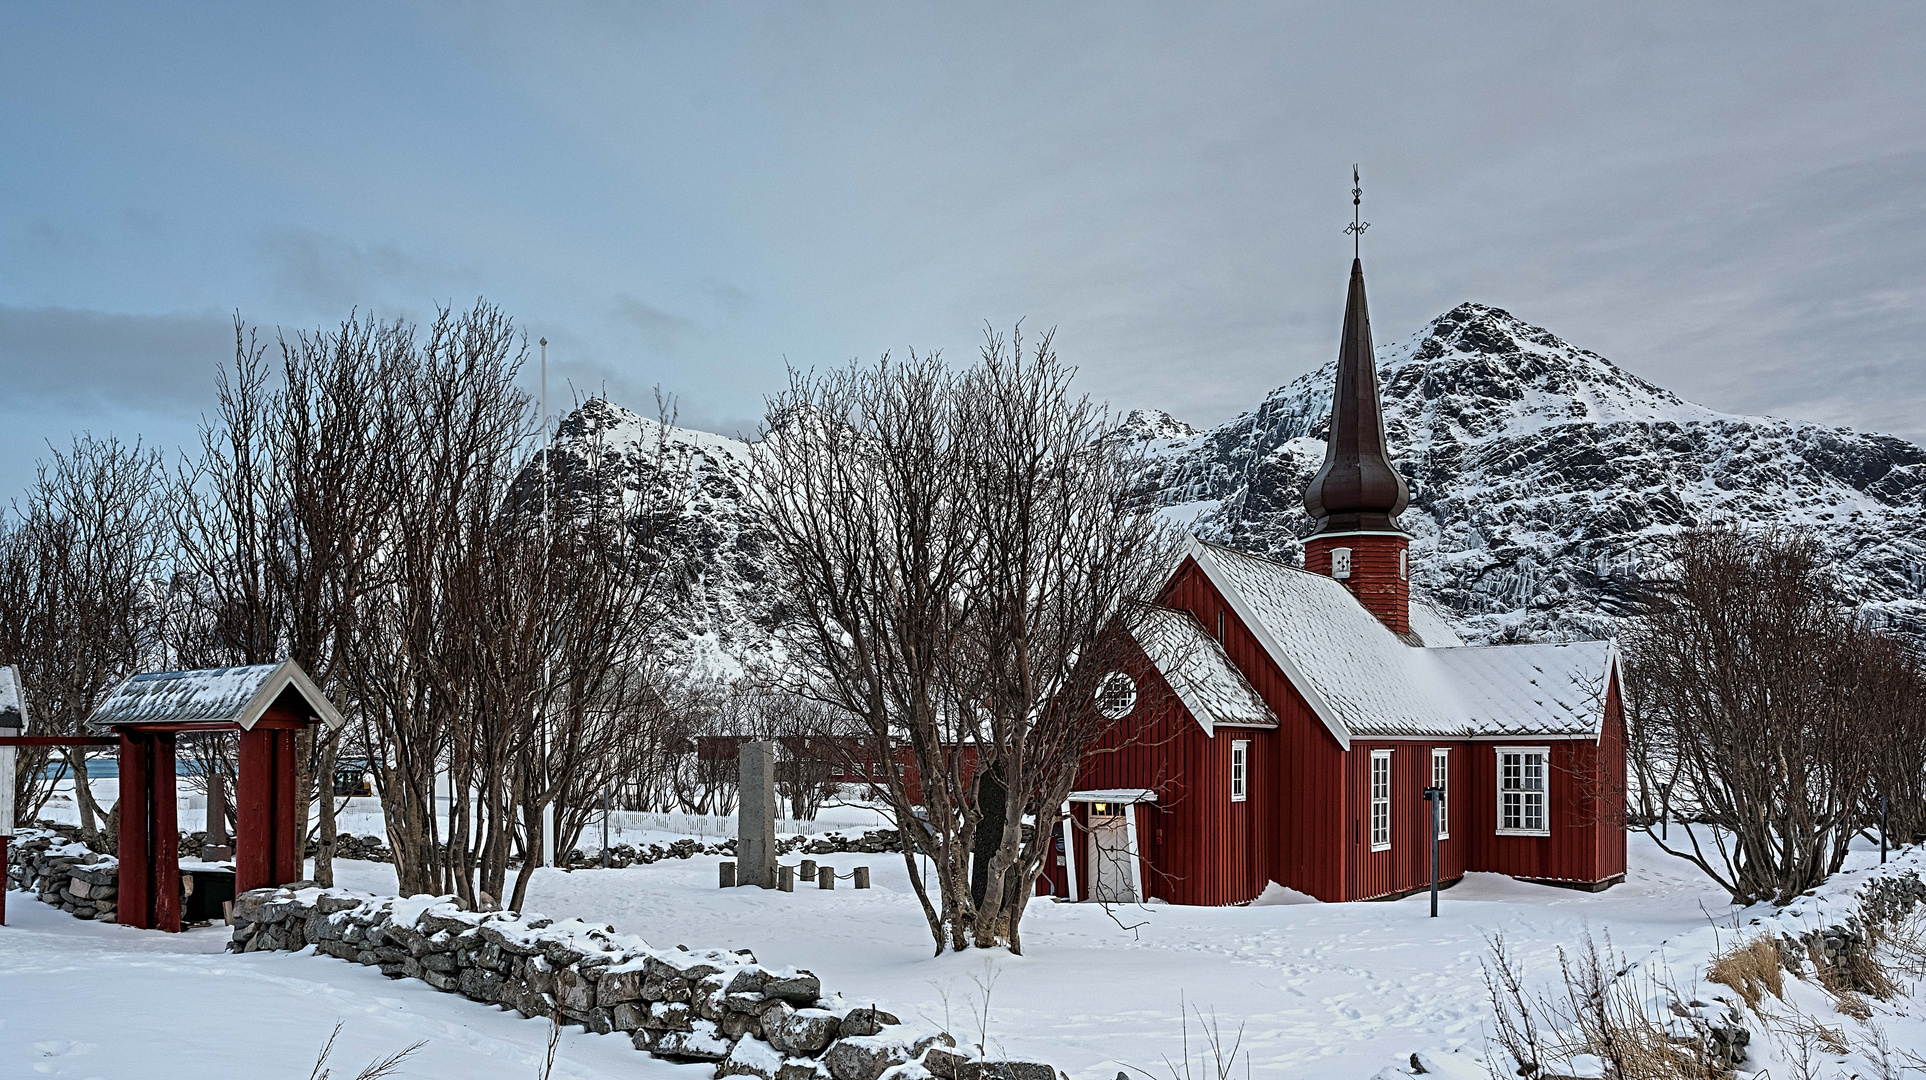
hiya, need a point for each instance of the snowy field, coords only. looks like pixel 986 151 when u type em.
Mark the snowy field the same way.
pixel 1319 990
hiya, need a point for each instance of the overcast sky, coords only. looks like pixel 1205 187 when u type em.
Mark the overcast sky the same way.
pixel 1727 199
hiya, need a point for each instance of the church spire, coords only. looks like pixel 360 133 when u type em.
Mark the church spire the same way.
pixel 1356 490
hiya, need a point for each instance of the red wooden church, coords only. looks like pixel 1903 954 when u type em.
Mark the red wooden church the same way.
pixel 1278 724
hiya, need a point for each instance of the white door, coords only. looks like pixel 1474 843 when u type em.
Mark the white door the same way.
pixel 1112 877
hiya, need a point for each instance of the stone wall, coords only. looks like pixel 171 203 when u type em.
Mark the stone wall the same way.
pixel 716 1006
pixel 64 873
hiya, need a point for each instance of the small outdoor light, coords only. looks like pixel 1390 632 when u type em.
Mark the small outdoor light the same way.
pixel 1432 795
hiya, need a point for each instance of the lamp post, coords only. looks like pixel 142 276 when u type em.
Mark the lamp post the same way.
pixel 1665 811
pixel 1433 795
pixel 605 826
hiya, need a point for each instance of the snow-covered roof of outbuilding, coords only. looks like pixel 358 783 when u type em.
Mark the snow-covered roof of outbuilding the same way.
pixel 13 700
pixel 1361 680
pixel 1196 667
pixel 229 695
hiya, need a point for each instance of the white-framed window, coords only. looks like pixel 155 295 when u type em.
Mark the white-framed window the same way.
pixel 1340 562
pixel 1240 769
pixel 1522 791
pixel 1404 565
pixel 1441 779
pixel 1380 800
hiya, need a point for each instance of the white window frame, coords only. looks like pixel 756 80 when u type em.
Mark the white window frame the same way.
pixel 1404 565
pixel 1378 800
pixel 1441 779
pixel 1543 791
pixel 1341 563
pixel 1240 770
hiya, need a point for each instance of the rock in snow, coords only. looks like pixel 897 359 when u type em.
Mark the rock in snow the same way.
pixel 1544 480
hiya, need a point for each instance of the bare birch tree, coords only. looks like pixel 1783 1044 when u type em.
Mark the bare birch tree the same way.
pixel 954 549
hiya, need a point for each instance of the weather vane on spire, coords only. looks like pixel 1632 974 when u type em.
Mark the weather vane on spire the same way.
pixel 1357 227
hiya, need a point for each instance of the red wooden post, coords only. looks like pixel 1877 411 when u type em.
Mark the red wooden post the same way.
pixel 166 841
pixel 136 881
pixel 287 848
pixel 253 812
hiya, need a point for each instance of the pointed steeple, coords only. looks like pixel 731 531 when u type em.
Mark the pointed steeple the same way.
pixel 1356 490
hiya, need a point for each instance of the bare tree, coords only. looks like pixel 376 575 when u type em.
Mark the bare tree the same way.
pixel 92 556
pixel 1760 702
pixel 955 549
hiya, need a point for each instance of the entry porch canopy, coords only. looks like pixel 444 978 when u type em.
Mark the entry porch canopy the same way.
pixel 1126 798
pixel 267 704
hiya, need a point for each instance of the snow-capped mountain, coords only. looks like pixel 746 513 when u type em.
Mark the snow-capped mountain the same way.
pixel 719 607
pixel 1544 480
pixel 1544 477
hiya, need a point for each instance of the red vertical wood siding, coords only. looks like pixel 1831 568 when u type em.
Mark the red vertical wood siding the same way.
pixel 166 837
pixel 136 905
pixel 1406 865
pixel 1585 809
pixel 254 812
pixel 1374 579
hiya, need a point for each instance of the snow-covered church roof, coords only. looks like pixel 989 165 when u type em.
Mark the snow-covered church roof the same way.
pixel 1197 668
pixel 228 695
pixel 1362 681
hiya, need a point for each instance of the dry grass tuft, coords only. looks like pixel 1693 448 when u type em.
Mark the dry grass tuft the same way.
pixel 1751 969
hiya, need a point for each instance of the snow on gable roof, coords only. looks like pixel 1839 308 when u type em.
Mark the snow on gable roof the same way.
pixel 1196 667
pixel 1361 680
pixel 1546 689
pixel 13 700
pixel 1431 627
pixel 233 695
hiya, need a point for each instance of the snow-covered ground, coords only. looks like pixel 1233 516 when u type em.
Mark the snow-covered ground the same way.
pixel 1319 990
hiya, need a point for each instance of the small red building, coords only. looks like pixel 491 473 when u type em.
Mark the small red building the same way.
pixel 1278 724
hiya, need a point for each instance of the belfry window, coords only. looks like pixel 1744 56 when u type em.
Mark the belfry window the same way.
pixel 1340 563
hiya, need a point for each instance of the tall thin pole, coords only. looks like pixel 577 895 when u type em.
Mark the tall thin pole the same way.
pixel 1431 796
pixel 605 826
pixel 1882 828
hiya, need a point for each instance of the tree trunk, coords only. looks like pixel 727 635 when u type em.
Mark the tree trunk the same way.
pixel 324 843
pixel 84 796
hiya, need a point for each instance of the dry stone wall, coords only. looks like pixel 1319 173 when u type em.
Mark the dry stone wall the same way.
pixel 716 1006
pixel 64 873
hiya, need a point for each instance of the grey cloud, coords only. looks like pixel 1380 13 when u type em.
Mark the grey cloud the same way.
pixel 65 358
pixel 333 276
pixel 662 331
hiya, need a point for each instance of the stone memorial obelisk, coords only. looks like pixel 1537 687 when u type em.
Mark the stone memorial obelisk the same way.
pixel 756 815
pixel 214 845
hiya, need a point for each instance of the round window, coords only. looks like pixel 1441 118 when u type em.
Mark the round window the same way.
pixel 1116 695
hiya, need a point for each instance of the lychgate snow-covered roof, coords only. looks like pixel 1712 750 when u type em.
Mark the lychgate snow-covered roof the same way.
pixel 13 700
pixel 233 695
pixel 1361 680
pixel 1195 666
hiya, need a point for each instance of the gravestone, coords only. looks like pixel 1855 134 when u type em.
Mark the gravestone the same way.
pixel 214 847
pixel 756 816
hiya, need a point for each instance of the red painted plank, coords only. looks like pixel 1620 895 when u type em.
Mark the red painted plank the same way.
pixel 253 812
pixel 166 843
pixel 287 854
pixel 135 881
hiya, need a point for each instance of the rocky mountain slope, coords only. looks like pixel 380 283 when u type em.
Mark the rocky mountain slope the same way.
pixel 1544 481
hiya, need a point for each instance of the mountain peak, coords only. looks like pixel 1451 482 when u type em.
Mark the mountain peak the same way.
pixel 1146 424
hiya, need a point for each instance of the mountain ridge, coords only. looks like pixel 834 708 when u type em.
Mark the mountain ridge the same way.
pixel 1544 479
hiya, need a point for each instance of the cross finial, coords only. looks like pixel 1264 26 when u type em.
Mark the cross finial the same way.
pixel 1357 227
